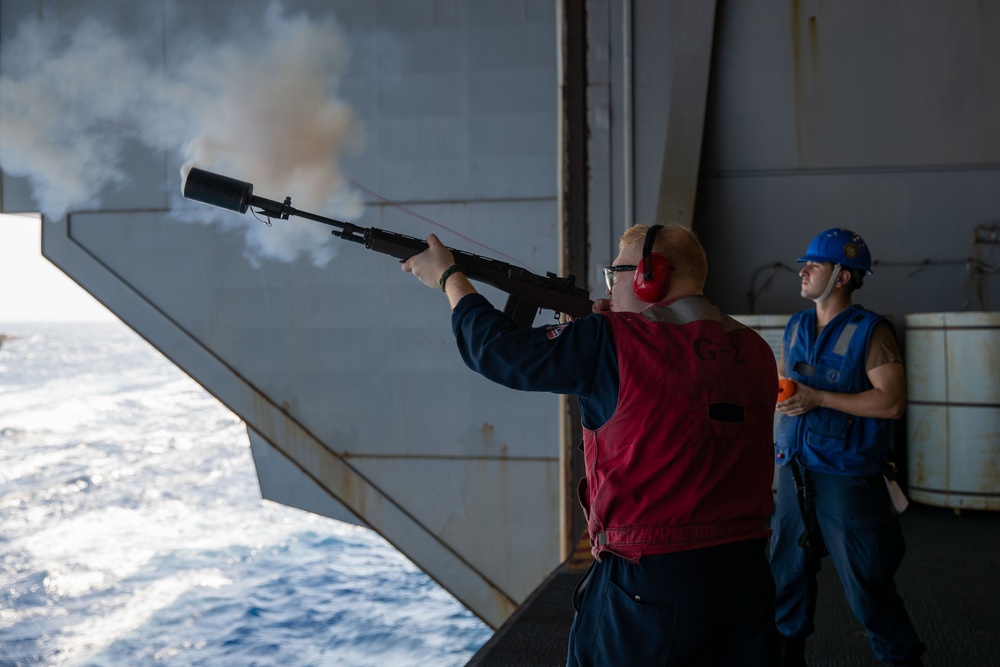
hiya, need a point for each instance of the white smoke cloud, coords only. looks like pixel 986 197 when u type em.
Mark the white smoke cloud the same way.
pixel 261 107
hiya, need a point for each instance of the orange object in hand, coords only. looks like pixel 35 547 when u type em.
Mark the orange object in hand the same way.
pixel 786 389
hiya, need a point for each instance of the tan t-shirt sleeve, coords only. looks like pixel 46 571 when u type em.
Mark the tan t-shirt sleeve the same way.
pixel 882 349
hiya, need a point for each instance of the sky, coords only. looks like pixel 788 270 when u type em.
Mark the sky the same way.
pixel 32 289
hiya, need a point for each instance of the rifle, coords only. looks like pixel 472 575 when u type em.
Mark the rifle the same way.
pixel 527 292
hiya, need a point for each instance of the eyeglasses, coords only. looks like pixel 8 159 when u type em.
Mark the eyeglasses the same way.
pixel 610 271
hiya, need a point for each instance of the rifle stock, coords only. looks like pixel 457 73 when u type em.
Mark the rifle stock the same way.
pixel 527 292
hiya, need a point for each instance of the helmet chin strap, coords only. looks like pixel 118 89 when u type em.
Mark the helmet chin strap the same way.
pixel 829 285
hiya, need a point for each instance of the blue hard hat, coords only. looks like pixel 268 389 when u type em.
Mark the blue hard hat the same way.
pixel 839 246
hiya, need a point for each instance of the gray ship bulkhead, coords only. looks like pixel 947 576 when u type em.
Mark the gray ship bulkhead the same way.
pixel 757 123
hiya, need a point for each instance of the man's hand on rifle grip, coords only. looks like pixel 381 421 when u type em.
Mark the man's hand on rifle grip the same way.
pixel 429 266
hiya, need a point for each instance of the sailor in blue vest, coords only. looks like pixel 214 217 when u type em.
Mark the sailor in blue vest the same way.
pixel 833 448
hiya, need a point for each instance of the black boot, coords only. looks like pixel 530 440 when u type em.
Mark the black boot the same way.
pixel 793 652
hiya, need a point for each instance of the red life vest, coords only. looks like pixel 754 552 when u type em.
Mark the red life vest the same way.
pixel 686 461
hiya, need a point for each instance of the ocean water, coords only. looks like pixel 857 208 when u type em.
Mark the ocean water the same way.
pixel 132 531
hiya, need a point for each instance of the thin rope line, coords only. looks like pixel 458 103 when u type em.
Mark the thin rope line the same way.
pixel 375 195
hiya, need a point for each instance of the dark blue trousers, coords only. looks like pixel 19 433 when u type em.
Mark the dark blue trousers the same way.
pixel 705 607
pixel 865 544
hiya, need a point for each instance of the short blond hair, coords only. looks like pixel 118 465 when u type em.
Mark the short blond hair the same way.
pixel 681 247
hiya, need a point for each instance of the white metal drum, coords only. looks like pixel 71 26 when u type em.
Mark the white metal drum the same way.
pixel 953 420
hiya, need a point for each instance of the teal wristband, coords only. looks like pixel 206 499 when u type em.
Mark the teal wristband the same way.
pixel 454 268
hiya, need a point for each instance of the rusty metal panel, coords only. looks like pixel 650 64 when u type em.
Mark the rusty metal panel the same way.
pixel 449 497
pixel 881 117
pixel 283 482
pixel 954 415
pixel 974 471
pixel 605 207
pixel 843 84
pixel 927 358
pixel 918 224
pixel 973 348
pixel 927 451
pixel 675 86
pixel 648 73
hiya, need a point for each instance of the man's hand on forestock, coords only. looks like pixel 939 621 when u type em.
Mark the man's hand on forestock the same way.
pixel 431 263
pixel 600 305
pixel 802 401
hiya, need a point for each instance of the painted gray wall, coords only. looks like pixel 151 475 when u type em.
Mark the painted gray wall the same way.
pixel 879 117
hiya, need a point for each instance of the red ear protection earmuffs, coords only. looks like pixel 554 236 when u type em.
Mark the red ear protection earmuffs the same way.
pixel 652 277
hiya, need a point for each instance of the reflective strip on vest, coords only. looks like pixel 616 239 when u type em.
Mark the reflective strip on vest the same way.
pixel 683 311
pixel 795 337
pixel 844 339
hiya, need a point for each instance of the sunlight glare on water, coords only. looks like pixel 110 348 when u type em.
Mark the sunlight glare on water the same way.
pixel 132 530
